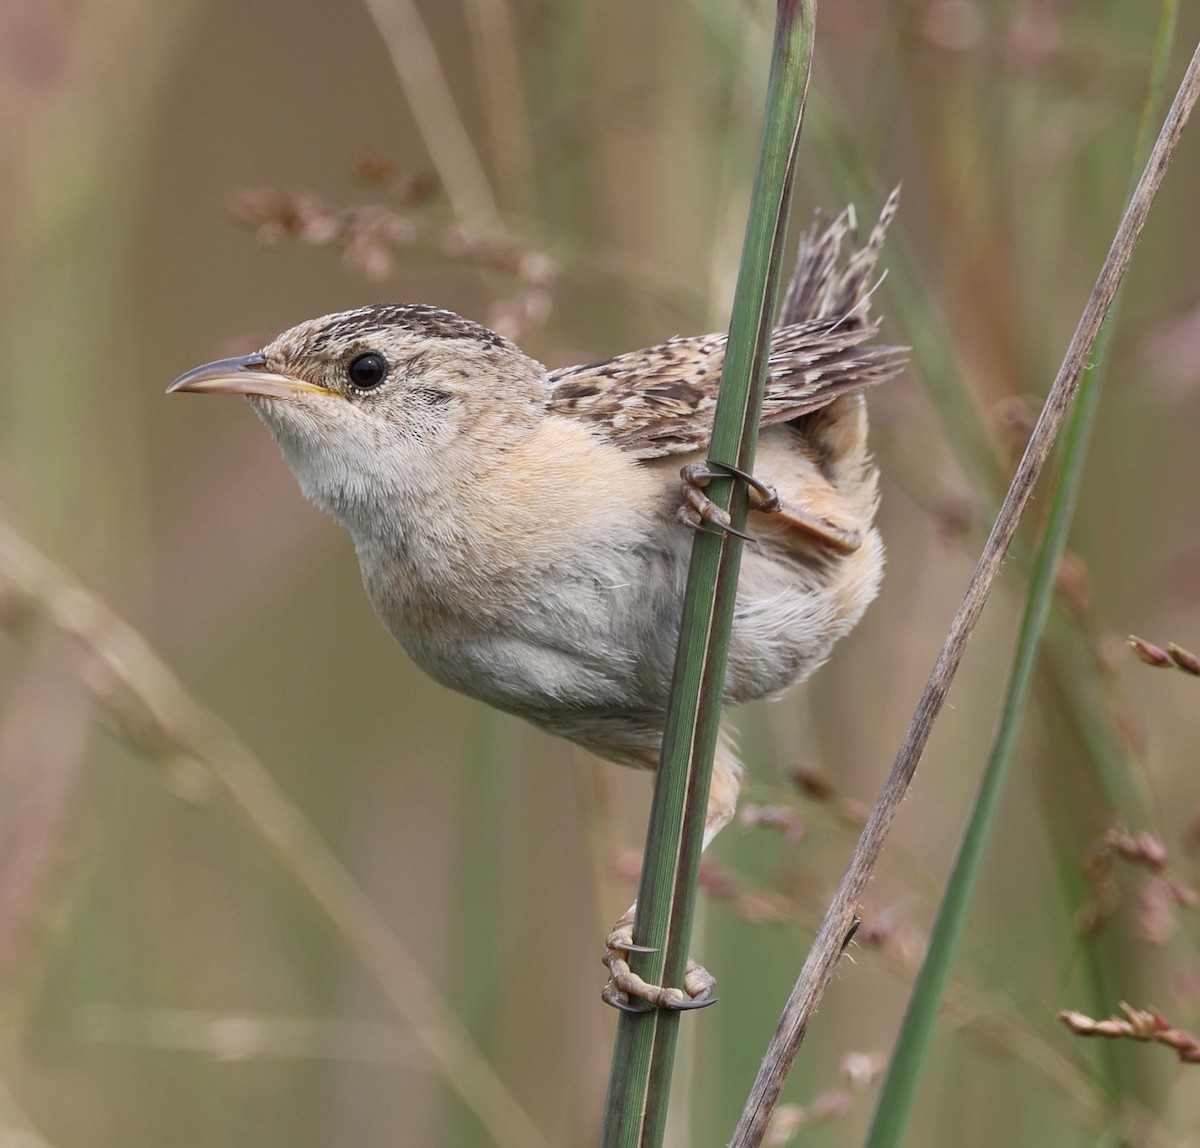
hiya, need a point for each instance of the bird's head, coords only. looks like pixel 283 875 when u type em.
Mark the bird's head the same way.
pixel 386 400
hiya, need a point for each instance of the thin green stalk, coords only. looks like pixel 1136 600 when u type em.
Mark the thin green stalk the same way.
pixel 898 1095
pixel 478 904
pixel 643 1056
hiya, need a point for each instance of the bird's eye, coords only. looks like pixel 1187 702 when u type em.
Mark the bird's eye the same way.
pixel 367 371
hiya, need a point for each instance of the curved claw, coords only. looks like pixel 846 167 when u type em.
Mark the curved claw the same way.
pixel 769 495
pixel 621 937
pixel 619 1000
pixel 685 1005
pixel 721 527
pixel 624 986
pixel 698 509
pixel 630 947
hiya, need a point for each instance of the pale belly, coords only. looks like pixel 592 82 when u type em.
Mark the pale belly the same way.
pixel 587 653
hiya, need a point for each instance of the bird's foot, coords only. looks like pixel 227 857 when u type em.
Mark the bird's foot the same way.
pixel 697 475
pixel 698 508
pixel 625 986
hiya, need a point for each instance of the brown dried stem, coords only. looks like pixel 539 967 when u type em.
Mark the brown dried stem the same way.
pixel 838 925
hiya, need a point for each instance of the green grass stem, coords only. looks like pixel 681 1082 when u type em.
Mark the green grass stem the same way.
pixel 643 1055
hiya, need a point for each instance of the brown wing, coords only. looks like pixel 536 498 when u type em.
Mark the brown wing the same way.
pixel 661 401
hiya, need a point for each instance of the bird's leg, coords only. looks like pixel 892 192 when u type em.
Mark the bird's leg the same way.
pixel 624 985
pixel 698 508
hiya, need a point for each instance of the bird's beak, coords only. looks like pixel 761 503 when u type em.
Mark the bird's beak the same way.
pixel 243 375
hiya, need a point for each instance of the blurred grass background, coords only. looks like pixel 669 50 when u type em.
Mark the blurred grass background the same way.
pixel 163 978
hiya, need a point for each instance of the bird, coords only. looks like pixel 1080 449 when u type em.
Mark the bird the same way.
pixel 525 533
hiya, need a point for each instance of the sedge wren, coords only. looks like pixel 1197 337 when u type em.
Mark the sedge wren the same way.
pixel 523 532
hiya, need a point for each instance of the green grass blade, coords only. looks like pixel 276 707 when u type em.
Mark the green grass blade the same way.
pixel 643 1056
